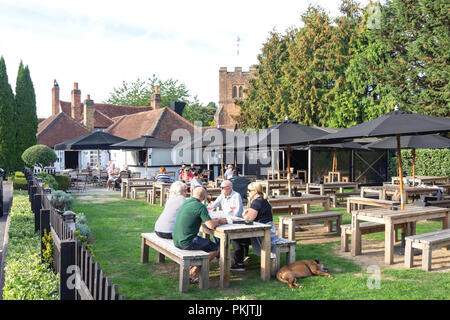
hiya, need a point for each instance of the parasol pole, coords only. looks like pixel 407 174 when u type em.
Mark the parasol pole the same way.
pixel 146 163
pixel 400 172
pixel 413 152
pixel 289 168
pixel 334 165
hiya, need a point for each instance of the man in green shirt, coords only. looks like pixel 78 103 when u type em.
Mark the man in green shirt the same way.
pixel 189 218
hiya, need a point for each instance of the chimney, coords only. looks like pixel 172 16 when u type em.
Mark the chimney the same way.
pixel 76 102
pixel 156 99
pixel 88 113
pixel 55 98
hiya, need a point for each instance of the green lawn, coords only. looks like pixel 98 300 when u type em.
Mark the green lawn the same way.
pixel 117 226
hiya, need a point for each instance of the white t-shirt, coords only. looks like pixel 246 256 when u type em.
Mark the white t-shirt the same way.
pixel 234 200
pixel 166 220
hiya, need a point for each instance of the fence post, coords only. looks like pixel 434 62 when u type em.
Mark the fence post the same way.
pixel 36 207
pixel 45 226
pixel 67 289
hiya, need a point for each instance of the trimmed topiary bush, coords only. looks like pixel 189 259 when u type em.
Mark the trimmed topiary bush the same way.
pixel 63 181
pixel 48 181
pixel 39 155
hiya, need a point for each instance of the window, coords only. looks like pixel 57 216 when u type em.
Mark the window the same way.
pixel 240 92
pixel 94 158
pixel 234 92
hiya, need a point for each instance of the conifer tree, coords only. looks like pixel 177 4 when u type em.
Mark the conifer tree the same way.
pixel 25 117
pixel 7 128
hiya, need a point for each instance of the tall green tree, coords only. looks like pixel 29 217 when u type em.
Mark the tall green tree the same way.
pixel 140 91
pixel 25 117
pixel 195 111
pixel 7 127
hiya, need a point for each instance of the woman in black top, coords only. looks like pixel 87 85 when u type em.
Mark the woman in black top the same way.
pixel 259 210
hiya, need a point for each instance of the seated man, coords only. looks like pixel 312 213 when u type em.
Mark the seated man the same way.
pixel 197 181
pixel 229 201
pixel 113 175
pixel 189 218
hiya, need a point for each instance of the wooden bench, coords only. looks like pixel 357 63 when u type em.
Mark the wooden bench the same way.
pixel 292 221
pixel 135 189
pixel 185 258
pixel 283 246
pixel 295 209
pixel 341 195
pixel 365 228
pixel 369 202
pixel 426 242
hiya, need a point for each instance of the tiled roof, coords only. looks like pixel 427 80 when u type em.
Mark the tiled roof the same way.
pixel 59 128
pixel 107 112
pixel 159 123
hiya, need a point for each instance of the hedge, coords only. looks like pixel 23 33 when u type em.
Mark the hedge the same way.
pixel 63 181
pixel 26 278
pixel 429 162
pixel 19 181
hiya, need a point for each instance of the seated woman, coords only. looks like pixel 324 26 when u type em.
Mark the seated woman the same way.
pixel 187 176
pixel 259 210
pixel 162 176
pixel 165 222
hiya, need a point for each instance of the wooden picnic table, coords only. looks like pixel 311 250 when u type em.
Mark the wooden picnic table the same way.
pixel 304 199
pixel 390 218
pixel 162 191
pixel 128 182
pixel 422 179
pixel 227 232
pixel 391 189
pixel 332 186
pixel 278 184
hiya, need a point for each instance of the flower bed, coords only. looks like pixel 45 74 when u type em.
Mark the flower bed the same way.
pixel 26 278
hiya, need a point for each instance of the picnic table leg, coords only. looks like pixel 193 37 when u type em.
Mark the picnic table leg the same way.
pixel 445 220
pixel 225 262
pixel 204 275
pixel 426 258
pixel 356 236
pixel 281 228
pixel 184 277
pixel 265 256
pixel 291 230
pixel 144 252
pixel 306 208
pixel 326 205
pixel 122 189
pixel 162 196
pixel 409 257
pixel 389 243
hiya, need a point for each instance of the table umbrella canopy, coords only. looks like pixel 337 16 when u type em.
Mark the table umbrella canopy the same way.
pixel 97 140
pixel 428 141
pixel 141 143
pixel 287 132
pixel 394 123
pixel 340 145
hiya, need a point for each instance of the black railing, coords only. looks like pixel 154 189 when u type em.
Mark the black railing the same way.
pixel 80 275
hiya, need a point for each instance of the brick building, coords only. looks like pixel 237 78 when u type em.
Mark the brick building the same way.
pixel 232 86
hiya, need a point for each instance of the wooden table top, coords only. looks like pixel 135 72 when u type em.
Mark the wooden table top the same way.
pixel 333 184
pixel 410 211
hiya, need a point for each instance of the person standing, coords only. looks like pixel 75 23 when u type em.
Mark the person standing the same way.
pixel 189 218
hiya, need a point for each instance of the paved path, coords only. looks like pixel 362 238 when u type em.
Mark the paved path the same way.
pixel 7 201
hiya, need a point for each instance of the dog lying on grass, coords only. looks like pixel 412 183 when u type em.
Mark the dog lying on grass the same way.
pixel 301 269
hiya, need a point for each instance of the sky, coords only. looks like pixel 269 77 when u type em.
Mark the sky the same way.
pixel 100 44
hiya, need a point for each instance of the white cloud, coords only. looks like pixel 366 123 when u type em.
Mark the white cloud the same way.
pixel 101 43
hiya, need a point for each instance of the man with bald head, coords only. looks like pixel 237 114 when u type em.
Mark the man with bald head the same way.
pixel 229 200
pixel 187 225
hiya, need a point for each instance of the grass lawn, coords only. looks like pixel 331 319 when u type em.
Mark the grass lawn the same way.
pixel 117 224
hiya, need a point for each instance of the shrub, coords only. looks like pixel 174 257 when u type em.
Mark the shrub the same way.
pixel 48 180
pixel 63 181
pixel 39 155
pixel 61 200
pixel 20 183
pixel 26 278
pixel 429 162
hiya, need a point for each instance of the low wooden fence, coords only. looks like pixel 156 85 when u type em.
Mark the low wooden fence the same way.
pixel 80 275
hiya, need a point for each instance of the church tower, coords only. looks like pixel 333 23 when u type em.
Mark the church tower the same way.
pixel 231 87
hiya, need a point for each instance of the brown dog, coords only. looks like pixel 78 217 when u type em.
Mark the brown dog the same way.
pixel 301 269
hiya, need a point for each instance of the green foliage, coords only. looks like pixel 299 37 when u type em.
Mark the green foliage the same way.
pixel 139 92
pixel 84 241
pixel 63 181
pixel 429 162
pixel 20 183
pixel 7 127
pixel 81 225
pixel 197 112
pixel 61 200
pixel 48 179
pixel 47 253
pixel 39 155
pixel 25 116
pixel 26 278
